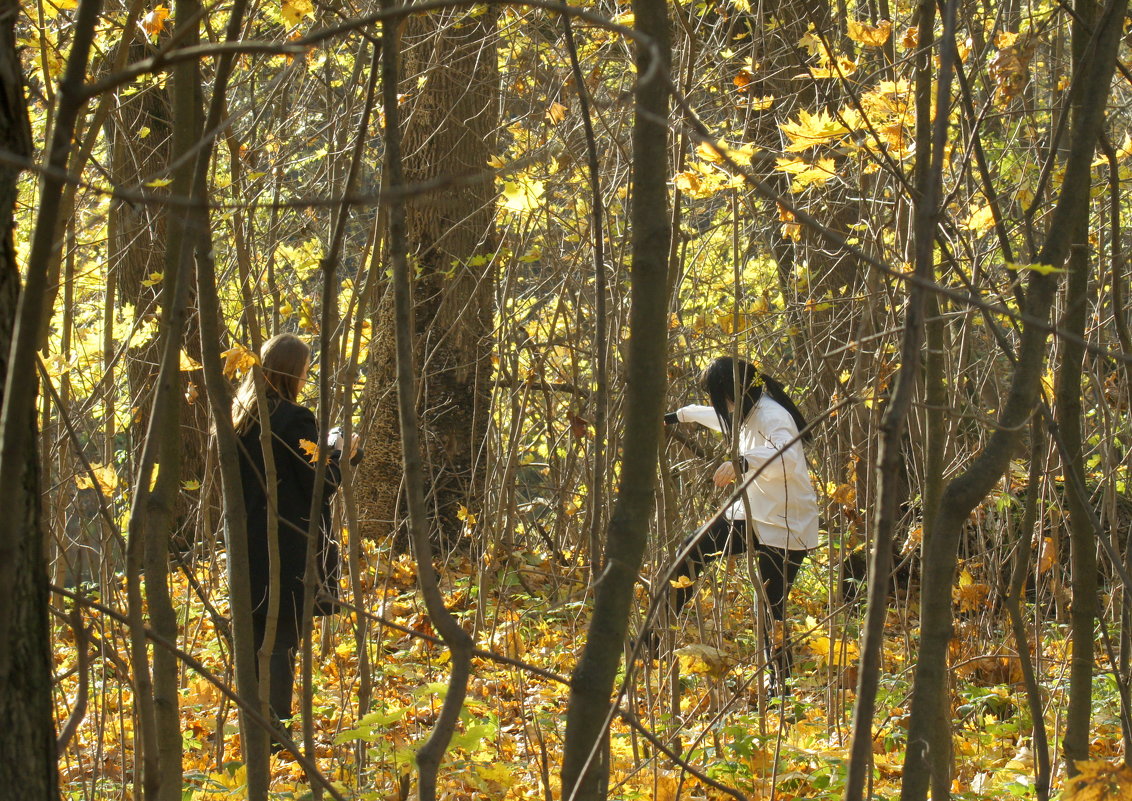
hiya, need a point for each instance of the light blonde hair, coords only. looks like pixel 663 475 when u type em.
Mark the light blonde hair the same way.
pixel 284 360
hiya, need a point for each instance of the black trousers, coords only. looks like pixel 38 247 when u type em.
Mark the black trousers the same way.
pixel 281 666
pixel 777 566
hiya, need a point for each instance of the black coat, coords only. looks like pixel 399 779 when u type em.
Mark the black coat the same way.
pixel 295 474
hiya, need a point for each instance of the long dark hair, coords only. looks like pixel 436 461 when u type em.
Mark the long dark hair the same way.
pixel 718 380
pixel 283 358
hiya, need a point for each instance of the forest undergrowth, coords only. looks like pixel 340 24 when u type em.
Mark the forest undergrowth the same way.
pixel 532 612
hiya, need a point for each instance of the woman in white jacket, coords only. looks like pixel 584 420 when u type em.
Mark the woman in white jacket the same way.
pixel 783 508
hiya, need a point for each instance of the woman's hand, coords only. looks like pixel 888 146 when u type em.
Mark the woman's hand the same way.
pixel 724 474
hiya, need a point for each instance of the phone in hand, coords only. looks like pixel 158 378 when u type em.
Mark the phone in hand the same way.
pixel 334 442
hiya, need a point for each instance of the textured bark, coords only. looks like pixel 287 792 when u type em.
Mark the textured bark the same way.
pixel 930 145
pixel 27 747
pixel 585 773
pixel 1067 394
pixel 449 134
pixel 458 641
pixel 927 725
pixel 1083 544
pixel 255 741
pixel 141 245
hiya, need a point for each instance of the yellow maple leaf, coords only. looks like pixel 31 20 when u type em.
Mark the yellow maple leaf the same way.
pixel 1099 780
pixel 310 449
pixel 688 182
pixel 294 10
pixel 981 220
pixel 806 173
pixel 188 363
pixel 711 152
pixel 841 67
pixel 237 361
pixel 836 654
pixel 522 194
pixel 868 35
pixel 52 9
pixel 557 112
pixel 844 494
pixel 105 475
pixel 812 129
pixel 153 23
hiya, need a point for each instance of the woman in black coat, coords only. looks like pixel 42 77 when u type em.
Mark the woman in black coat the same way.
pixel 294 433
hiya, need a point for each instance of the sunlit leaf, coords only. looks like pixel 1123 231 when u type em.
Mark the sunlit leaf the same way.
pixel 188 363
pixel 105 475
pixel 1040 269
pixel 1098 780
pixel 293 11
pixel 237 361
pixel 981 220
pixel 153 23
pixel 522 194
pixel 310 449
pixel 812 129
pixel 868 35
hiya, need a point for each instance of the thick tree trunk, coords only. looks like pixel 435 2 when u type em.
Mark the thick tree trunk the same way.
pixel 450 69
pixel 144 236
pixel 458 641
pixel 27 747
pixel 585 773
pixel 927 725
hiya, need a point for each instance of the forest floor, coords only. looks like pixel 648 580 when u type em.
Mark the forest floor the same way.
pixel 509 743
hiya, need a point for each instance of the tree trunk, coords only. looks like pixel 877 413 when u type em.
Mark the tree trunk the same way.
pixel 1091 82
pixel 451 72
pixel 27 749
pixel 144 237
pixel 585 772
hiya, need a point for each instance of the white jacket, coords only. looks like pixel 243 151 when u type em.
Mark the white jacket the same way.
pixel 782 499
